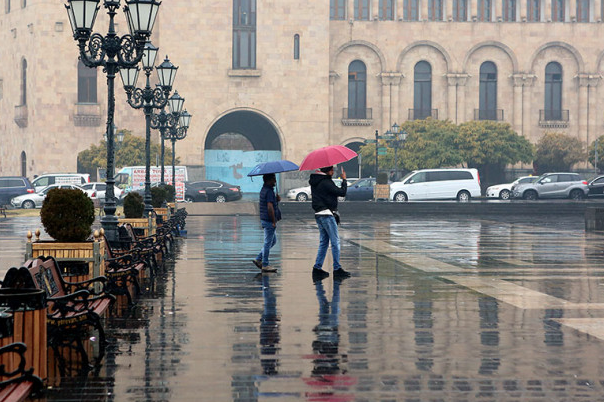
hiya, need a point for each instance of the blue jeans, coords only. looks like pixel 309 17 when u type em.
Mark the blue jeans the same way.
pixel 328 229
pixel 269 241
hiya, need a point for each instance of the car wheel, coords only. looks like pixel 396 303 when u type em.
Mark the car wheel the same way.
pixel 530 195
pixel 400 197
pixel 28 204
pixel 302 197
pixel 188 198
pixel 463 196
pixel 577 195
pixel 504 194
pixel 220 198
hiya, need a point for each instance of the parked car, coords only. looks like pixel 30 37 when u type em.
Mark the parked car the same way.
pixel 437 184
pixel 12 186
pixel 504 191
pixel 553 185
pixel 303 193
pixel 596 187
pixel 60 178
pixel 35 200
pixel 99 189
pixel 361 190
pixel 215 191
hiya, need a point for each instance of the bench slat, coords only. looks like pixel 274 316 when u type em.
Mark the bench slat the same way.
pixel 16 392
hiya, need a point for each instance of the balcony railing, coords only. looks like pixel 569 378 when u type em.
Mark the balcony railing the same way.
pixel 552 118
pixel 21 116
pixel 357 117
pixel 488 114
pixel 87 115
pixel 421 114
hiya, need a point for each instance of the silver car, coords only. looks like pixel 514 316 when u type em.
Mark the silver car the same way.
pixel 35 200
pixel 553 185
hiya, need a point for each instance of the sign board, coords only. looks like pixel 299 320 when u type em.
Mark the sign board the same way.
pixel 370 141
pixel 381 150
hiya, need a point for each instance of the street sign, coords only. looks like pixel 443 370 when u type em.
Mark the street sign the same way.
pixel 381 150
pixel 370 141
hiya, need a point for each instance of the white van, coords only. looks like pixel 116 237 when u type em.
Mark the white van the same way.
pixel 59 178
pixel 437 184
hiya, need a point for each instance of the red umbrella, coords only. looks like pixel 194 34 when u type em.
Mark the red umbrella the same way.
pixel 327 156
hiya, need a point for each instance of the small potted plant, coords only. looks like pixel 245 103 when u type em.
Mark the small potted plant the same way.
pixel 134 209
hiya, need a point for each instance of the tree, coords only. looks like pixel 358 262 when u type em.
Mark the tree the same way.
pixel 489 146
pixel 131 152
pixel 591 154
pixel 557 152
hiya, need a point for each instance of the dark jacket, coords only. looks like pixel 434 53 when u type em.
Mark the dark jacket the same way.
pixel 324 192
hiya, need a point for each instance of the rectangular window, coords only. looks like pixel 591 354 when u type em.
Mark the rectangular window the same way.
pixel 361 10
pixel 386 10
pixel 411 10
pixel 87 89
pixel 583 12
pixel 558 9
pixel 533 10
pixel 484 10
pixel 460 10
pixel 337 9
pixel 509 10
pixel 244 34
pixel 435 10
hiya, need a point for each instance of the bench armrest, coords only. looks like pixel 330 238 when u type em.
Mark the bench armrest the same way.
pixel 87 285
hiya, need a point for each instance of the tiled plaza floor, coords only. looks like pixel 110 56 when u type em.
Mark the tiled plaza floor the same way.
pixel 436 310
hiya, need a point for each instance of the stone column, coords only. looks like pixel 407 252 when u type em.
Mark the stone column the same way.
pixel 350 10
pixel 448 10
pixel 520 81
pixel 424 10
pixel 390 92
pixel 522 5
pixel 452 97
pixel 597 11
pixel 375 10
pixel 400 10
pixel 333 76
pixel 456 98
pixel 587 100
pixel 572 10
pixel 498 11
pixel 548 11
pixel 473 10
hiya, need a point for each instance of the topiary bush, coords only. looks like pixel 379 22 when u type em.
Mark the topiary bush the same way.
pixel 158 196
pixel 171 192
pixel 67 215
pixel 382 178
pixel 134 205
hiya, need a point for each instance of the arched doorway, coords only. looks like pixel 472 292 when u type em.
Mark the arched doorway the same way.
pixel 236 143
pixel 352 167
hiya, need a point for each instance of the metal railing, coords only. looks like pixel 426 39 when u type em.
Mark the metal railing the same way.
pixel 421 114
pixel 360 114
pixel 488 114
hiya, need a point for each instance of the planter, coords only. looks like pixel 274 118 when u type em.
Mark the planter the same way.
pixel 79 261
pixel 381 192
pixel 142 226
pixel 163 214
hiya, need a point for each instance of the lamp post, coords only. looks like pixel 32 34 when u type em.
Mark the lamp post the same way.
pixel 399 136
pixel 166 121
pixel 148 99
pixel 111 52
pixel 178 133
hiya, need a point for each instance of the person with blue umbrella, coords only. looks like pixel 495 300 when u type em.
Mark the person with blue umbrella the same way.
pixel 268 205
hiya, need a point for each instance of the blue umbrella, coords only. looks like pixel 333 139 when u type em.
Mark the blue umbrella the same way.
pixel 273 167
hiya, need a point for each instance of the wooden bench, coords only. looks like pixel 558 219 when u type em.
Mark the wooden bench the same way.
pixel 124 270
pixel 152 247
pixel 72 307
pixel 17 383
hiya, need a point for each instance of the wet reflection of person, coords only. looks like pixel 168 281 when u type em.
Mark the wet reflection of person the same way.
pixel 269 330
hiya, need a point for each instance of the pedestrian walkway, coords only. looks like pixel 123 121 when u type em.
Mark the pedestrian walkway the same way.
pixel 436 310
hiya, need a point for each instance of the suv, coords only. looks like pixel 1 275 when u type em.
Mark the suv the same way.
pixel 12 186
pixel 437 184
pixel 553 185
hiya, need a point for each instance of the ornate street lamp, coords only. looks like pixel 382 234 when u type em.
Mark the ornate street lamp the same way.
pixel 111 52
pixel 147 99
pixel 165 121
pixel 178 133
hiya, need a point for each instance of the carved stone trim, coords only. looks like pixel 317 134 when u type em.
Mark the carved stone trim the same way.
pixel 357 122
pixel 553 124
pixel 245 73
pixel 523 80
pixel 391 78
pixel 21 116
pixel 588 80
pixel 457 79
pixel 333 76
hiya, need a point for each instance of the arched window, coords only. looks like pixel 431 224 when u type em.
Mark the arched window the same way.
pixel 488 92
pixel 296 47
pixel 583 11
pixel 422 91
pixel 485 10
pixel 386 10
pixel 244 34
pixel 23 164
pixel 435 10
pixel 460 10
pixel 337 9
pixel 86 84
pixel 558 11
pixel 411 10
pixel 553 91
pixel 509 10
pixel 533 10
pixel 23 82
pixel 361 10
pixel 357 90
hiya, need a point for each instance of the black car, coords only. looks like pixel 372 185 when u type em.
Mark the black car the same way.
pixel 12 186
pixel 596 187
pixel 211 190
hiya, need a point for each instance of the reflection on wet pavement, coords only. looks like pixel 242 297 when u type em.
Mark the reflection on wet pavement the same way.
pixel 436 310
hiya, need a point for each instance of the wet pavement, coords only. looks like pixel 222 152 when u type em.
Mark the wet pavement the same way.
pixel 501 309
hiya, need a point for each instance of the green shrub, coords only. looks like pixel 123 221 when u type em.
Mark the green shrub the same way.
pixel 382 178
pixel 158 196
pixel 171 192
pixel 134 205
pixel 67 215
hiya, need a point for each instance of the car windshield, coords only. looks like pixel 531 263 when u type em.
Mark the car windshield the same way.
pixel 407 176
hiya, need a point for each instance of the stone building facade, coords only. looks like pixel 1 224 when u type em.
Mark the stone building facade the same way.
pixel 279 78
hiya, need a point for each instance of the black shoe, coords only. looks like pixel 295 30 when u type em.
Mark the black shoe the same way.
pixel 340 274
pixel 257 263
pixel 319 275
